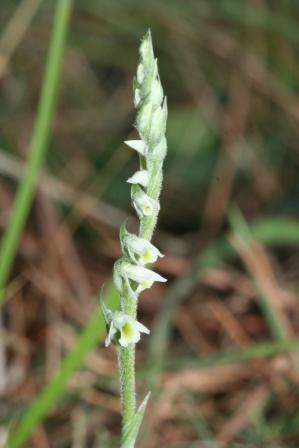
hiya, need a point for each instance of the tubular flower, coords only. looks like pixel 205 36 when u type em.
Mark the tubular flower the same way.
pixel 143 204
pixel 138 249
pixel 137 145
pixel 124 272
pixel 123 329
pixel 140 177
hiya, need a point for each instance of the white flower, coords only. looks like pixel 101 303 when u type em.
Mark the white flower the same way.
pixel 124 329
pixel 158 151
pixel 124 272
pixel 138 249
pixel 140 73
pixel 146 49
pixel 138 145
pixel 156 93
pixel 140 177
pixel 147 55
pixel 143 204
pixel 145 277
pixel 144 119
pixel 137 97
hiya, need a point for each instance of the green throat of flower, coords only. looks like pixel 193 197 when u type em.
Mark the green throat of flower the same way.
pixel 128 331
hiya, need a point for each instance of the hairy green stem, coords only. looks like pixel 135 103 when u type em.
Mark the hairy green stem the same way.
pixel 126 364
pixel 126 361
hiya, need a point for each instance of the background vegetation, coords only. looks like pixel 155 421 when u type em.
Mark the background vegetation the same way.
pixel 222 359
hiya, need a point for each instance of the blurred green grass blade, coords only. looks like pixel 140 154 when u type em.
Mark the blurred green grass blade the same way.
pixel 197 421
pixel 38 144
pixel 272 319
pixel 89 338
pixel 261 17
pixel 256 351
pixel 269 231
pixel 276 231
pixel 241 229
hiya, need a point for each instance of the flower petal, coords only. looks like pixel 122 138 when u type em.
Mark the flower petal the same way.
pixel 117 276
pixel 143 204
pixel 110 335
pixel 139 273
pixel 142 328
pixel 126 328
pixel 131 292
pixel 140 177
pixel 138 145
pixel 139 250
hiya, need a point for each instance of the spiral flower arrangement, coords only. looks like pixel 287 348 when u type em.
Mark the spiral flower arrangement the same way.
pixel 130 274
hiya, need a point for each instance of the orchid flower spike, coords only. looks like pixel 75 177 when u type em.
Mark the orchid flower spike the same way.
pixel 138 249
pixel 130 276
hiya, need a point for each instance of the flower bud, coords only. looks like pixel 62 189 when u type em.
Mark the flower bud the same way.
pixel 150 75
pixel 158 151
pixel 140 73
pixel 144 119
pixel 137 97
pixel 147 53
pixel 158 124
pixel 156 93
pixel 143 204
pixel 137 145
pixel 140 177
pixel 138 249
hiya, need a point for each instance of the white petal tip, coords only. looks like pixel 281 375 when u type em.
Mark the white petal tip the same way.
pixel 161 279
pixel 140 177
pixel 138 145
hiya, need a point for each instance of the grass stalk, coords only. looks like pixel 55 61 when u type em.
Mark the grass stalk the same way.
pixel 89 338
pixel 38 145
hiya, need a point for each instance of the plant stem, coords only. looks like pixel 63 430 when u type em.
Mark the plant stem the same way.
pixel 38 146
pixel 126 360
pixel 126 364
pixel 126 355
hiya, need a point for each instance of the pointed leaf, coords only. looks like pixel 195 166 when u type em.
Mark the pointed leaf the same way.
pixel 131 429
